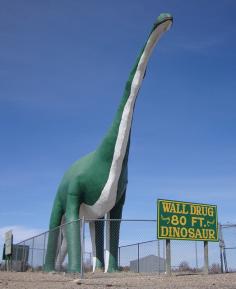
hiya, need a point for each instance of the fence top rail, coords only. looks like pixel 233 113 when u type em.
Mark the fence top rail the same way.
pixel 121 220
pixel 30 238
pixel 230 248
pixel 139 243
pixel 86 220
pixel 226 226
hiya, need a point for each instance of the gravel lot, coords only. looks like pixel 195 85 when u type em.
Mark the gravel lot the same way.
pixel 29 280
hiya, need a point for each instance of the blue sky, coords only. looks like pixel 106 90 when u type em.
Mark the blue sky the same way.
pixel 63 68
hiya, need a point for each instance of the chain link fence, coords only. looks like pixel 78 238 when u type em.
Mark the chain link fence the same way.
pixel 136 253
pixel 228 247
pixel 186 257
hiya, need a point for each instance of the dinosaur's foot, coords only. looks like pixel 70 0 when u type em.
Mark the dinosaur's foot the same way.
pixel 112 264
pixel 49 267
pixel 74 268
pixel 113 269
pixel 99 265
pixel 98 270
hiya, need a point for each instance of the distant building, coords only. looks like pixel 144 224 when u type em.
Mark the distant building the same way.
pixel 150 263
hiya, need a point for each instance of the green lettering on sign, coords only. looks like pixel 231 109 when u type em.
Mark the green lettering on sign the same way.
pixel 186 221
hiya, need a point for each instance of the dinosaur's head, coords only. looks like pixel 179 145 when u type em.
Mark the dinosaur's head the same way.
pixel 163 22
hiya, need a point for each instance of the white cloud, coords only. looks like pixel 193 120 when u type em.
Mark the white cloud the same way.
pixel 200 45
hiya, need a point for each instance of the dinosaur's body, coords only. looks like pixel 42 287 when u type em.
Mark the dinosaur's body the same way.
pixel 96 184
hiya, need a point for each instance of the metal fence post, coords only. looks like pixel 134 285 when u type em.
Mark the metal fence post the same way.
pixel 224 265
pixel 44 250
pixel 138 258
pixel 221 261
pixel 225 260
pixel 119 257
pixel 23 257
pixel 16 258
pixel 221 244
pixel 82 248
pixel 59 253
pixel 32 256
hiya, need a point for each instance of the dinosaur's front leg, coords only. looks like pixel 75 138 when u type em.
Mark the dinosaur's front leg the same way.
pixel 73 232
pixel 55 221
pixel 97 238
pixel 112 236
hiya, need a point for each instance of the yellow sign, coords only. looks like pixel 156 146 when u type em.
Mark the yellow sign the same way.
pixel 186 221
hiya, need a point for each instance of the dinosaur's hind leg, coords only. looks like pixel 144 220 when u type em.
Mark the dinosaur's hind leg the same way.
pixel 62 246
pixel 55 221
pixel 112 236
pixel 73 228
pixel 97 238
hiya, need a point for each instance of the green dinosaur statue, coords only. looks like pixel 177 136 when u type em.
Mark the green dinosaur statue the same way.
pixel 95 185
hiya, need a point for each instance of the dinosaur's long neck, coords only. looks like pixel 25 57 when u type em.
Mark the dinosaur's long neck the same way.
pixel 116 142
pixel 125 113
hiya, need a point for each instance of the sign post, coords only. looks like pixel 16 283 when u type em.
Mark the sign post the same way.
pixel 168 257
pixel 186 221
pixel 8 249
pixel 206 261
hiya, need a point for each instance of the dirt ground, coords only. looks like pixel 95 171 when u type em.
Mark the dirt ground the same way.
pixel 33 280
